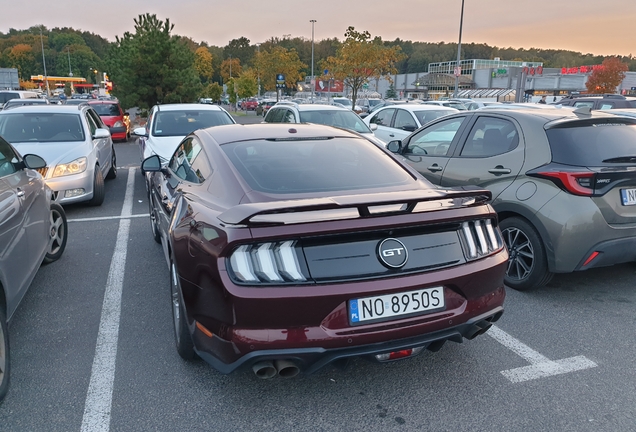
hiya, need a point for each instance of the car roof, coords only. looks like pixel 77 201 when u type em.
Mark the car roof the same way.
pixel 70 109
pixel 549 113
pixel 314 107
pixel 102 101
pixel 237 132
pixel 188 107
pixel 420 107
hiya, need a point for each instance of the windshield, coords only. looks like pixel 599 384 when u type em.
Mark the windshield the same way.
pixel 342 119
pixel 181 123
pixel 343 101
pixel 306 166
pixel 107 110
pixel 426 116
pixel 41 127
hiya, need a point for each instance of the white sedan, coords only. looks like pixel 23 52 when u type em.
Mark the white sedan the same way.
pixel 396 122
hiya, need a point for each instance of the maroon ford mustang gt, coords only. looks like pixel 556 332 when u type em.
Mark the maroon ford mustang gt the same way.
pixel 293 247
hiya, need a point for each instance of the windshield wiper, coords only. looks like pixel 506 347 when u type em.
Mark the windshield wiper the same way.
pixel 621 159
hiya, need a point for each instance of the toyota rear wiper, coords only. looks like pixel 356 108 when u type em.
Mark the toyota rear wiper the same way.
pixel 621 159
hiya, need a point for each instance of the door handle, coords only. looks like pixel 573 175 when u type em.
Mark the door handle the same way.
pixel 499 169
pixel 434 168
pixel 20 193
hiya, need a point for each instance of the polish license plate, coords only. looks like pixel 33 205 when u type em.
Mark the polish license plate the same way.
pixel 385 307
pixel 628 196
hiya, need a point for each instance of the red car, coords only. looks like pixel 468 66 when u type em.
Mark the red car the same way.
pixel 293 247
pixel 114 117
pixel 249 104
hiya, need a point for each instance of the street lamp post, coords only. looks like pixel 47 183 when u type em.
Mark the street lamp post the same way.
pixel 258 72
pixel 312 81
pixel 459 51
pixel 48 90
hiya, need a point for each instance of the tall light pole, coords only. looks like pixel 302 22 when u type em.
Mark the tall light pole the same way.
pixel 312 81
pixel 258 71
pixel 70 71
pixel 458 69
pixel 48 90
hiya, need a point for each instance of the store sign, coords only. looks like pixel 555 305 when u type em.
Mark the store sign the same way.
pixel 580 69
pixel 500 73
pixel 533 70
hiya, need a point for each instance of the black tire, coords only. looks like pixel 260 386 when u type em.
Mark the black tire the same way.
pixel 153 220
pixel 528 265
pixel 183 339
pixel 98 188
pixel 4 354
pixel 58 234
pixel 112 172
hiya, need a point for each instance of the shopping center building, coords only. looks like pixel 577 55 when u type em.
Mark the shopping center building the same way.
pixel 497 80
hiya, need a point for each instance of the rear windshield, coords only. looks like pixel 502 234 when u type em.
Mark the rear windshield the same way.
pixel 181 123
pixel 342 119
pixel 5 96
pixel 41 127
pixel 308 166
pixel 426 116
pixel 593 143
pixel 107 110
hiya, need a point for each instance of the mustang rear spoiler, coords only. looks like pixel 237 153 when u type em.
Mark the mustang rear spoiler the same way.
pixel 363 205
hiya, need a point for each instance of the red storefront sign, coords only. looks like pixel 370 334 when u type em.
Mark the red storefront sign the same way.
pixel 580 69
pixel 336 86
pixel 533 70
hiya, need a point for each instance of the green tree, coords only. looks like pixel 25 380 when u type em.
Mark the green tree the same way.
pixel 606 78
pixel 213 91
pixel 390 92
pixel 246 84
pixel 239 49
pixel 152 66
pixel 360 59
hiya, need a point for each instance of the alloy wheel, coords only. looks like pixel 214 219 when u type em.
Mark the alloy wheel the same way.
pixel 522 257
pixel 57 233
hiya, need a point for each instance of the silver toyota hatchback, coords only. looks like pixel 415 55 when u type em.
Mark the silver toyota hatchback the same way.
pixel 563 182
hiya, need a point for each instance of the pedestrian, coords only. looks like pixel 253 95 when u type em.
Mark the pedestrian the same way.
pixel 542 101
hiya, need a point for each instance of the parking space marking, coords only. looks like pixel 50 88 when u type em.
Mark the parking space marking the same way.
pixel 109 218
pixel 100 389
pixel 540 365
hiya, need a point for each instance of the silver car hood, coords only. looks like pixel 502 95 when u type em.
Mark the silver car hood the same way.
pixel 54 152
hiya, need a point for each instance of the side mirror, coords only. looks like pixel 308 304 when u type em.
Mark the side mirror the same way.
pixel 140 131
pixel 409 128
pixel 151 164
pixel 373 126
pixel 101 133
pixel 34 161
pixel 394 146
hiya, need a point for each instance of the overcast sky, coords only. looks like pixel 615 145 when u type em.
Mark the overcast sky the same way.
pixel 601 27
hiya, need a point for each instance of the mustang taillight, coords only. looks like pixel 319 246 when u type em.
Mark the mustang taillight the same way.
pixel 480 238
pixel 274 262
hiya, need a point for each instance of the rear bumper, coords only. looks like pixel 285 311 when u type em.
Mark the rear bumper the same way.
pixel 609 253
pixel 311 359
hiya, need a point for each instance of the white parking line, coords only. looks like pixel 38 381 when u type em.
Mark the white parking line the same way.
pixel 108 218
pixel 540 365
pixel 100 389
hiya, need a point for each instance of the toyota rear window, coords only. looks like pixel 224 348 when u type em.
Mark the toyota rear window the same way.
pixel 181 123
pixel 315 165
pixel 593 142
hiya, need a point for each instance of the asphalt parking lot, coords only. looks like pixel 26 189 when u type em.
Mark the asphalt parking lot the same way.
pixel 92 349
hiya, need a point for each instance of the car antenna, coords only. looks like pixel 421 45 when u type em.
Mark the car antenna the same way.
pixel 584 110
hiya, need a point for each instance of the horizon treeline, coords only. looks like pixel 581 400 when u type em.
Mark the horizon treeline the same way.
pixel 85 54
